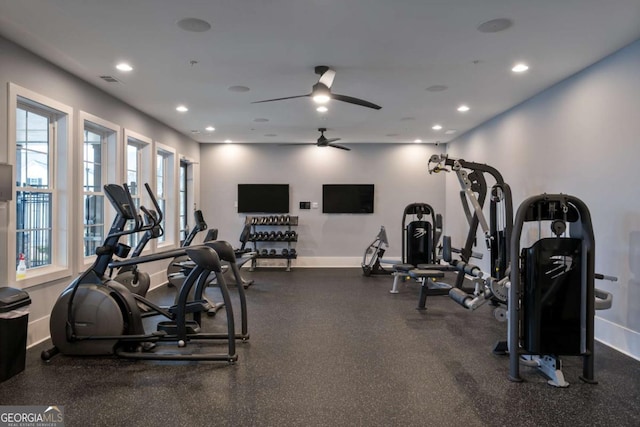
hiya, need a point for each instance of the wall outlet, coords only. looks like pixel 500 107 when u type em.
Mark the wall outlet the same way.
pixel 314 205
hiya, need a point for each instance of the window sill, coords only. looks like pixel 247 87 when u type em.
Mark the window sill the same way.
pixel 42 275
pixel 166 246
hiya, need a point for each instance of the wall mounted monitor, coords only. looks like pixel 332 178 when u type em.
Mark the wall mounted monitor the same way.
pixel 347 198
pixel 263 198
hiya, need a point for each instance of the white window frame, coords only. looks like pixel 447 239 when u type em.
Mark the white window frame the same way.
pixel 170 215
pixel 110 174
pixel 192 192
pixel 146 173
pixel 183 227
pixel 61 189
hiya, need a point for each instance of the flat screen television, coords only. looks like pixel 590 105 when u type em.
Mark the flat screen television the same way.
pixel 263 198
pixel 347 198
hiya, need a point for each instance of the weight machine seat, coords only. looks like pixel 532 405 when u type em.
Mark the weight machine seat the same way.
pixel 425 274
pixel 403 267
pixel 439 267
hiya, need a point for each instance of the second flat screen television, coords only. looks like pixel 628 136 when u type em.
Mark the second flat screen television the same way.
pixel 347 198
pixel 263 198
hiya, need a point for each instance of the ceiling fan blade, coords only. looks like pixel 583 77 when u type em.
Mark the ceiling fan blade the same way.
pixel 327 78
pixel 342 147
pixel 280 99
pixel 330 140
pixel 356 101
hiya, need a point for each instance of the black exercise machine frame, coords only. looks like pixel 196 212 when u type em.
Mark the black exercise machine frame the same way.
pixel 475 182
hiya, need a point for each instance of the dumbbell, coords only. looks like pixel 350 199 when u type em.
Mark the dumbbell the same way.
pixel 264 252
pixel 287 219
pixel 272 236
pixel 252 236
pixel 272 252
pixel 285 252
pixel 292 252
pixel 279 236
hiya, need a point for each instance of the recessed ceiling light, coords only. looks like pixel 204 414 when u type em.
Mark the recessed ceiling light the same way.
pixel 495 25
pixel 417 140
pixel 322 109
pixel 194 25
pixel 239 89
pixel 437 88
pixel 436 127
pixel 520 68
pixel 123 66
pixel 450 131
pixel 209 128
pixel 463 108
pixel 182 108
pixel 259 120
pixel 228 141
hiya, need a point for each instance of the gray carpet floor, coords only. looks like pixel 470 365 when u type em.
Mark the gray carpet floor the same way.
pixel 330 347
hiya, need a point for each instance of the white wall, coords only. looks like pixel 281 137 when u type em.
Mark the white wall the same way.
pixel 399 173
pixel 22 68
pixel 580 137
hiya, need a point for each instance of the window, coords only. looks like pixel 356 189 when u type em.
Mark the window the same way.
pixel 35 143
pixel 137 172
pixel 184 227
pixel 133 180
pixel 161 193
pixel 39 147
pixel 165 192
pixel 96 146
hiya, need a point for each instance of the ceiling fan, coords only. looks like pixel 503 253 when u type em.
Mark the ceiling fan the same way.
pixel 323 141
pixel 321 91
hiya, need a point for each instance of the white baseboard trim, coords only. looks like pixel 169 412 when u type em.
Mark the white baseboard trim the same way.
pixel 158 279
pixel 311 262
pixel 618 337
pixel 38 331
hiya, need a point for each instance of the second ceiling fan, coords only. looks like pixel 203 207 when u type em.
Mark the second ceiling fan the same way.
pixel 321 91
pixel 323 141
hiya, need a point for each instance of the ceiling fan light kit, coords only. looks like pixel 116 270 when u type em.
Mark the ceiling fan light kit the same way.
pixel 321 91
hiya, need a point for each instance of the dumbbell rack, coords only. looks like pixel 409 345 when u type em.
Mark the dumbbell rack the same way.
pixel 271 229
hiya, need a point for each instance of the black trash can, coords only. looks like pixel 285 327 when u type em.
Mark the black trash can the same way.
pixel 14 320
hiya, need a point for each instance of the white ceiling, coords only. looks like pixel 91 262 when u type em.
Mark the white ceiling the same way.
pixel 387 52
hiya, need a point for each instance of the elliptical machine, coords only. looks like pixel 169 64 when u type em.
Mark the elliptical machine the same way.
pixel 134 279
pixel 175 272
pixel 374 253
pixel 95 315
